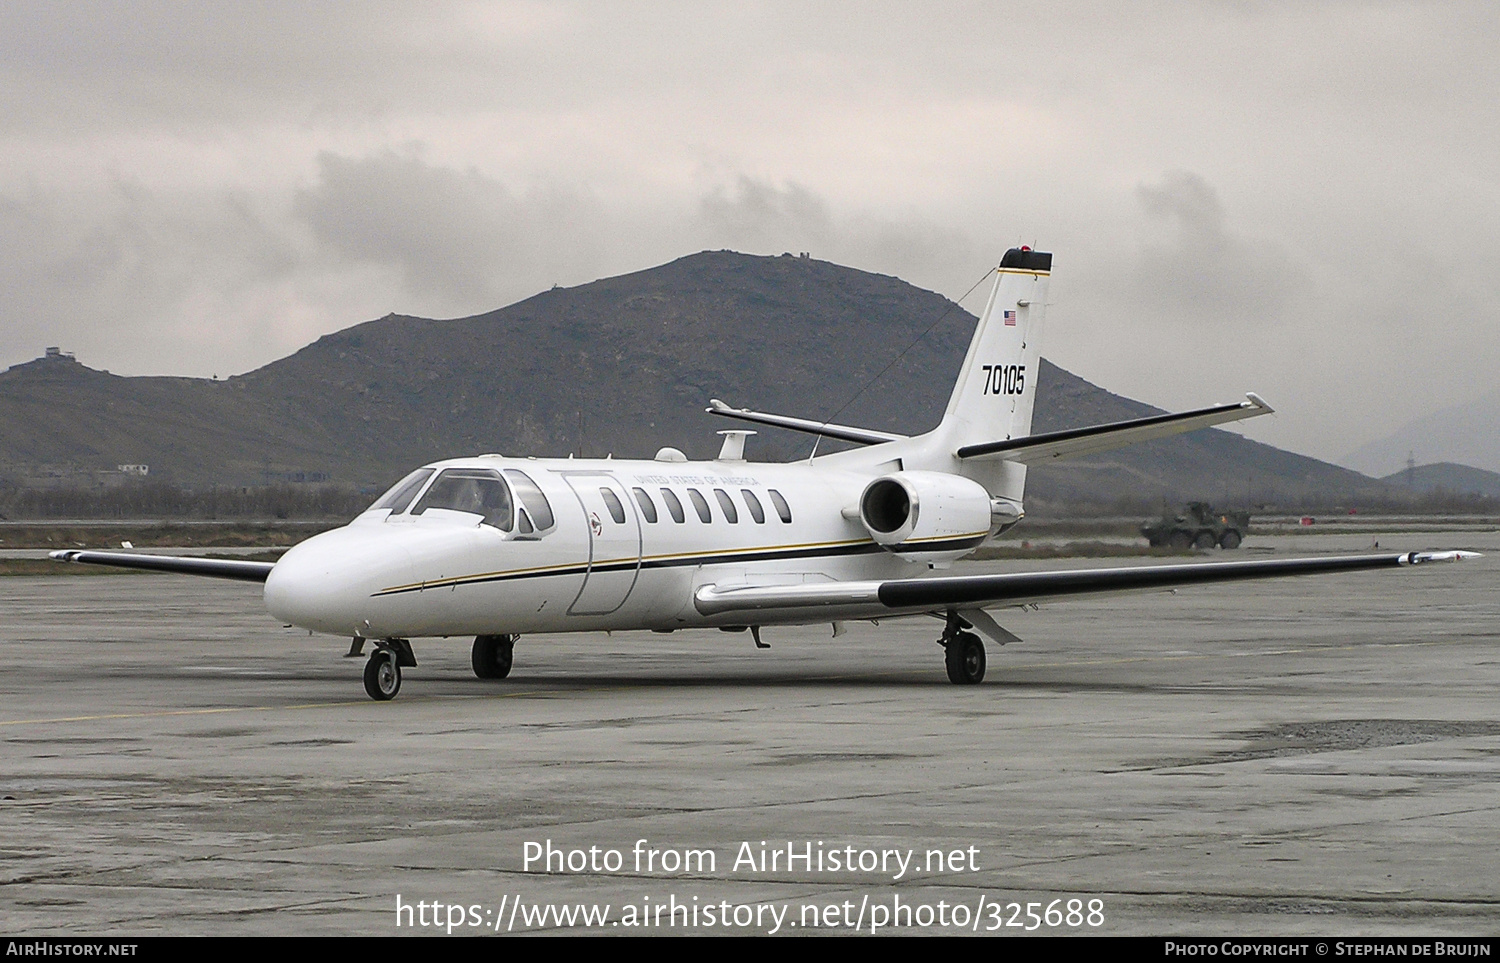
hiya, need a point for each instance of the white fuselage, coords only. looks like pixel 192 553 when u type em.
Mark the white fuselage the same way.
pixel 603 564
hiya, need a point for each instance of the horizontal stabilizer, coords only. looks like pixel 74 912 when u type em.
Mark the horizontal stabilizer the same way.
pixel 182 565
pixel 860 436
pixel 873 599
pixel 1075 442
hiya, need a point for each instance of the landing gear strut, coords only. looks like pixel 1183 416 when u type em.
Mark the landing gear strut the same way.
pixel 492 655
pixel 964 652
pixel 383 671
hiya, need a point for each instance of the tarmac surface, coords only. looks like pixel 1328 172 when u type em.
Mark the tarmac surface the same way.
pixel 1298 756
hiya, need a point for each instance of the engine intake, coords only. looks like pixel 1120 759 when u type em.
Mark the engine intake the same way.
pixel 925 515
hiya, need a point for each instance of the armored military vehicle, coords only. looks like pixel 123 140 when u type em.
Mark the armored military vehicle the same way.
pixel 1198 525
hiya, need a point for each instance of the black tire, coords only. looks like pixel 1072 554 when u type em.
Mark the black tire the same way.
pixel 1230 539
pixel 382 676
pixel 1205 540
pixel 492 655
pixel 1181 540
pixel 965 659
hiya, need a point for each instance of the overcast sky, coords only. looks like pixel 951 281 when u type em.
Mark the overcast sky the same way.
pixel 1300 199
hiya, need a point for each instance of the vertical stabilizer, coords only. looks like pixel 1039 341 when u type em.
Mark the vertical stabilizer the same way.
pixel 996 388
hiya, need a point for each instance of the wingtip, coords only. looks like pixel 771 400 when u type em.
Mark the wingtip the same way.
pixel 1259 402
pixel 1456 555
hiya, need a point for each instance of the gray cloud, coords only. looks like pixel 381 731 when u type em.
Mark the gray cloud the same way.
pixel 1207 273
pixel 198 188
pixel 462 242
pixel 758 216
pixel 134 279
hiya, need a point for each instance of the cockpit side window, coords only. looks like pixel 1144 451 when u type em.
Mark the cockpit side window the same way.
pixel 531 496
pixel 477 491
pixel 400 494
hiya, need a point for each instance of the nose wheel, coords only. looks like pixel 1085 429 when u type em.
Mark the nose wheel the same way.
pixel 382 675
pixel 383 671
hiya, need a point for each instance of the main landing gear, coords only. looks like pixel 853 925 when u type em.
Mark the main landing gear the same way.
pixel 492 655
pixel 964 652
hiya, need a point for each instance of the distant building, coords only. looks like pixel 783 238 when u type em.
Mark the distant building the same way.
pixel 58 354
pixel 141 470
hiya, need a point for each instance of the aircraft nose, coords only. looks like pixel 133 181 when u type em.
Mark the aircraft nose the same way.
pixel 324 583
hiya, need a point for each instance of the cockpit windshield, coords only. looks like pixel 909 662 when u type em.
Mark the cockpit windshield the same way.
pixel 401 493
pixel 477 491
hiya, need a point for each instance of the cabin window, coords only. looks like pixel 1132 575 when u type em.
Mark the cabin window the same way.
pixel 532 498
pixel 477 491
pixel 782 508
pixel 612 502
pixel 753 503
pixel 727 503
pixel 674 505
pixel 400 494
pixel 700 505
pixel 648 507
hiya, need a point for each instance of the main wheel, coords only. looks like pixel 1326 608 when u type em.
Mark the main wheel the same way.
pixel 1230 539
pixel 1205 540
pixel 382 675
pixel 965 659
pixel 492 655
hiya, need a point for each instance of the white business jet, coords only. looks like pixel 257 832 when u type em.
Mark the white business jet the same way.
pixel 494 547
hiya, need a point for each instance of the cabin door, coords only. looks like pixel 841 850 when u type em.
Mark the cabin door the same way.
pixel 614 543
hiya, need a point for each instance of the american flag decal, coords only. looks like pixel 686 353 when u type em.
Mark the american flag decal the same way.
pixel 1010 319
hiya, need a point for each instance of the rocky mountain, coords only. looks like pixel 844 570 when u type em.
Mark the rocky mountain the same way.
pixel 622 365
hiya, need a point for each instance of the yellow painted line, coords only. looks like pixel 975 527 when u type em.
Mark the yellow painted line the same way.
pixel 1219 655
pixel 175 712
pixel 306 705
pixel 643 685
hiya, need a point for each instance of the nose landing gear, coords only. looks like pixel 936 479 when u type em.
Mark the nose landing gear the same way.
pixel 383 671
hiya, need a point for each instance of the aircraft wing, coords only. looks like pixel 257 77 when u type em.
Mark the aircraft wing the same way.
pixel 1075 442
pixel 183 565
pixel 872 599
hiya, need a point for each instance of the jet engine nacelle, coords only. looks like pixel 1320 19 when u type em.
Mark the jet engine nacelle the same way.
pixel 926 515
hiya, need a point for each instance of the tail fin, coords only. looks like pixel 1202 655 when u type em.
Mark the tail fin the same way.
pixel 996 389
